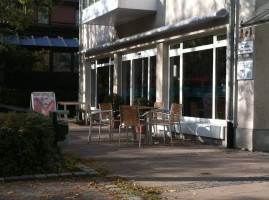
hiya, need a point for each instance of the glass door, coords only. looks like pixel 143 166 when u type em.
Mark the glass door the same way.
pixel 141 78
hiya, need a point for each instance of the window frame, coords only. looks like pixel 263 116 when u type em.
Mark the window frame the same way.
pixel 180 51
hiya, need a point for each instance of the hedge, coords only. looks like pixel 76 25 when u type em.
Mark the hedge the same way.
pixel 27 144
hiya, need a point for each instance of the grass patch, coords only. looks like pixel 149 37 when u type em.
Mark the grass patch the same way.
pixel 68 164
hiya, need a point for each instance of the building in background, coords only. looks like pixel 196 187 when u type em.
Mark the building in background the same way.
pixel 56 34
pixel 207 55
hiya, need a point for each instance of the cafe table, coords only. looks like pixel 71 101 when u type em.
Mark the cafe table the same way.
pixel 148 110
pixel 72 103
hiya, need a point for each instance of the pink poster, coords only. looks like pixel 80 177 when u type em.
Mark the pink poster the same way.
pixel 43 102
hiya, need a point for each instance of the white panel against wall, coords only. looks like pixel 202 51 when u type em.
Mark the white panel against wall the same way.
pixel 138 4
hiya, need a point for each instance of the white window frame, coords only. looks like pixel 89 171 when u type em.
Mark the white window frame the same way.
pixel 138 55
pixel 179 52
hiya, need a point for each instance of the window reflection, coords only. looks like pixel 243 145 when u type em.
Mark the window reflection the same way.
pixel 126 78
pixel 174 79
pixel 198 42
pixel 220 83
pixel 197 83
pixel 62 62
pixel 152 96
pixel 141 78
pixel 43 64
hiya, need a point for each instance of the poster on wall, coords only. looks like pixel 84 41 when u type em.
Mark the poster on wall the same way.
pixel 43 102
pixel 245 54
pixel 245 69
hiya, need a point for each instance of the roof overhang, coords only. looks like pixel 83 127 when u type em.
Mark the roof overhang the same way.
pixel 115 12
pixel 42 41
pixel 158 32
pixel 260 15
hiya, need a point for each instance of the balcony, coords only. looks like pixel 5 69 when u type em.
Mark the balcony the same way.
pixel 116 12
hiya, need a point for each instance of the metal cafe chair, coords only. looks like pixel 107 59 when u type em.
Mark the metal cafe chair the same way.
pixel 95 118
pixel 170 118
pixel 156 115
pixel 129 116
pixel 107 117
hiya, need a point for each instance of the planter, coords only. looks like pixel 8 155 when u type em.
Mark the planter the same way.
pixel 142 129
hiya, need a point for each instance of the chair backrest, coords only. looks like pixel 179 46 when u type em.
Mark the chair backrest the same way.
pixel 129 115
pixel 105 106
pixel 176 110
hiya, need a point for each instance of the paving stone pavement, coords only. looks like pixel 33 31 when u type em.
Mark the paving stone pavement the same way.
pixel 188 171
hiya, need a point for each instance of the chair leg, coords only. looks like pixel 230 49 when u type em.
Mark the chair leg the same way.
pixel 140 129
pixel 183 137
pixel 112 130
pixel 127 134
pixel 169 129
pixel 109 130
pixel 90 133
pixel 164 134
pixel 119 136
pixel 99 131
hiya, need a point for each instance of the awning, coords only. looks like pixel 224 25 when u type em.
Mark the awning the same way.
pixel 261 15
pixel 43 41
pixel 159 31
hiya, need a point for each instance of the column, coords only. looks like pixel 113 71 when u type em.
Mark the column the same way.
pixel 162 90
pixel 117 73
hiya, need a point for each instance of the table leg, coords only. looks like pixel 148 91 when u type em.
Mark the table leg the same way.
pixel 65 115
pixel 150 127
pixel 86 117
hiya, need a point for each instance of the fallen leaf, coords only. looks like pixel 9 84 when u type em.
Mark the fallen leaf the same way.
pixel 10 192
pixel 172 190
pixel 205 172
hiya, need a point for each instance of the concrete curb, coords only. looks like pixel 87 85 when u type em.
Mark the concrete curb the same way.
pixel 85 171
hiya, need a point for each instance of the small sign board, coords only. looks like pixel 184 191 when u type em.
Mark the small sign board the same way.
pixel 43 102
pixel 245 69
pixel 245 47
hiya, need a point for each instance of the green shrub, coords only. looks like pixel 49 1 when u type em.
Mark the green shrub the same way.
pixel 27 144
pixel 115 99
pixel 142 102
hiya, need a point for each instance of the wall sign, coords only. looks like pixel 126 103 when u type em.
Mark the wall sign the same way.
pixel 43 102
pixel 245 54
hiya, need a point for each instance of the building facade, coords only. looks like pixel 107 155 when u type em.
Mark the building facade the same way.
pixel 55 34
pixel 207 55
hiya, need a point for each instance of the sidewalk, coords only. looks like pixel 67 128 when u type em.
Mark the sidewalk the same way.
pixel 186 171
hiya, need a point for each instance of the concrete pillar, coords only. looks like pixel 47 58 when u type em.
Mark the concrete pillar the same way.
pixel 117 73
pixel 88 85
pixel 162 90
pixel 81 89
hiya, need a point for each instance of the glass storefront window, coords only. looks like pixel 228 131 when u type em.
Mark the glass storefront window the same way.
pixel 152 96
pixel 220 82
pixel 93 87
pixel 197 84
pixel 141 78
pixel 198 42
pixel 87 3
pixel 76 63
pixel 126 78
pixel 102 83
pixel 43 64
pixel 174 79
pixel 62 62
pixel 221 37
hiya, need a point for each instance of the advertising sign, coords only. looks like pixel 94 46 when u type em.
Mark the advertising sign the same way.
pixel 43 102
